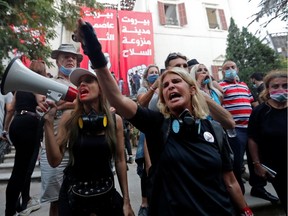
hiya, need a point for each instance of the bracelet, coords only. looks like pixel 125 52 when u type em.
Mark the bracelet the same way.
pixel 246 211
pixel 153 89
pixel 255 162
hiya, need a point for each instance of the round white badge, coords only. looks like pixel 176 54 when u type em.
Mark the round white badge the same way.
pixel 208 137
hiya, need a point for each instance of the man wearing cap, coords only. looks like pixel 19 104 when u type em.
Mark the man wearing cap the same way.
pixel 67 59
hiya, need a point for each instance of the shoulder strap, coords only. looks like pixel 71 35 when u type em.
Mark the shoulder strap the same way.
pixel 166 129
pixel 218 131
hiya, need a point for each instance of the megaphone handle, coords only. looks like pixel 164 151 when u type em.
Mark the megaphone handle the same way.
pixel 53 95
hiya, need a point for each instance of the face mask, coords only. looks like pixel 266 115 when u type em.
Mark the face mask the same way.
pixel 66 71
pixel 279 96
pixel 230 74
pixel 254 86
pixel 206 81
pixel 152 78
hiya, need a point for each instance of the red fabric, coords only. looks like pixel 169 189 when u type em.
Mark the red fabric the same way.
pixel 128 40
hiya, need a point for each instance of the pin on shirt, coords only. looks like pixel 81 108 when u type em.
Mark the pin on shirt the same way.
pixel 208 137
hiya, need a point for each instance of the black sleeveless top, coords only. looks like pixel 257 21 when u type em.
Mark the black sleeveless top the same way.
pixel 92 157
pixel 25 101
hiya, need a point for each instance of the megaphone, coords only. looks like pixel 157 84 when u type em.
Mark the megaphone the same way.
pixel 17 77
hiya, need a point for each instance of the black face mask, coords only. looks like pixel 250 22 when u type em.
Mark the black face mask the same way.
pixel 93 122
pixel 185 125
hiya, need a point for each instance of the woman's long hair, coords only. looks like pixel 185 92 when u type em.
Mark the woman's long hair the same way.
pixel 199 106
pixel 210 85
pixel 264 95
pixel 72 129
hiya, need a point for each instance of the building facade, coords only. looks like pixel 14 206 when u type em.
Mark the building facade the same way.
pixel 195 28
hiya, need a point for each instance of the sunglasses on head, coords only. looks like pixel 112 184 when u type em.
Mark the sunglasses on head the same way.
pixel 175 55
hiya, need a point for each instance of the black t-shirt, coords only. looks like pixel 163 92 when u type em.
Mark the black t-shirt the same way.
pixel 190 170
pixel 268 127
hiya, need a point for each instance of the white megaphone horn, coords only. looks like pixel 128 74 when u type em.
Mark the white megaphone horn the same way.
pixel 17 77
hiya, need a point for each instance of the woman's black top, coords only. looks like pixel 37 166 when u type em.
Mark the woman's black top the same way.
pixel 92 157
pixel 189 176
pixel 25 101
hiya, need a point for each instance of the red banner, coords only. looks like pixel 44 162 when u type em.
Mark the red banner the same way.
pixel 135 36
pixel 136 44
pixel 105 25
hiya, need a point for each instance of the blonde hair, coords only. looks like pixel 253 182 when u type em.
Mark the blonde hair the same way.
pixel 71 128
pixel 264 95
pixel 210 85
pixel 199 106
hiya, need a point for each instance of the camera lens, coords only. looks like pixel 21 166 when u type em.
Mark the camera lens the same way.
pixel 74 38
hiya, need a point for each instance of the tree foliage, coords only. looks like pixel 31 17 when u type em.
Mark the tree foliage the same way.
pixel 249 53
pixel 29 25
pixel 272 9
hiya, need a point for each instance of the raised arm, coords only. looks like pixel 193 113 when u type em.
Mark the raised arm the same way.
pixel 220 114
pixel 92 48
pixel 54 149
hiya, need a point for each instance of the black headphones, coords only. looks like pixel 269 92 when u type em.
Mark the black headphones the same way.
pixel 185 124
pixel 93 122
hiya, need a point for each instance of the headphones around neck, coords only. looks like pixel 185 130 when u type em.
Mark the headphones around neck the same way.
pixel 185 123
pixel 93 122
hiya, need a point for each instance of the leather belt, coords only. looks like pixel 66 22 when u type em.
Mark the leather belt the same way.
pixel 26 112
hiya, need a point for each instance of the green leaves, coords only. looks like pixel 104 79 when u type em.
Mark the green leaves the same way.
pixel 249 53
pixel 29 25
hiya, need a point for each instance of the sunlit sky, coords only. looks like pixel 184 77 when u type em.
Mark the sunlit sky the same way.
pixel 243 10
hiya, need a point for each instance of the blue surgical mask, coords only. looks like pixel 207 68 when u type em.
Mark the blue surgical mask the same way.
pixel 152 78
pixel 66 71
pixel 206 81
pixel 230 74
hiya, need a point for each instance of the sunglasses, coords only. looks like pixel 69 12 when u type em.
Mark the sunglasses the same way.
pixel 86 79
pixel 173 56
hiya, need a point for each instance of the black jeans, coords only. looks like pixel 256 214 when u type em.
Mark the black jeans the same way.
pixel 24 135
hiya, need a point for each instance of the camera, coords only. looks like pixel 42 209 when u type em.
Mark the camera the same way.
pixel 75 38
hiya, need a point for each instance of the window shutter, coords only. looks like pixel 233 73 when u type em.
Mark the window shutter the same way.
pixel 161 11
pixel 215 73
pixel 182 14
pixel 222 19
